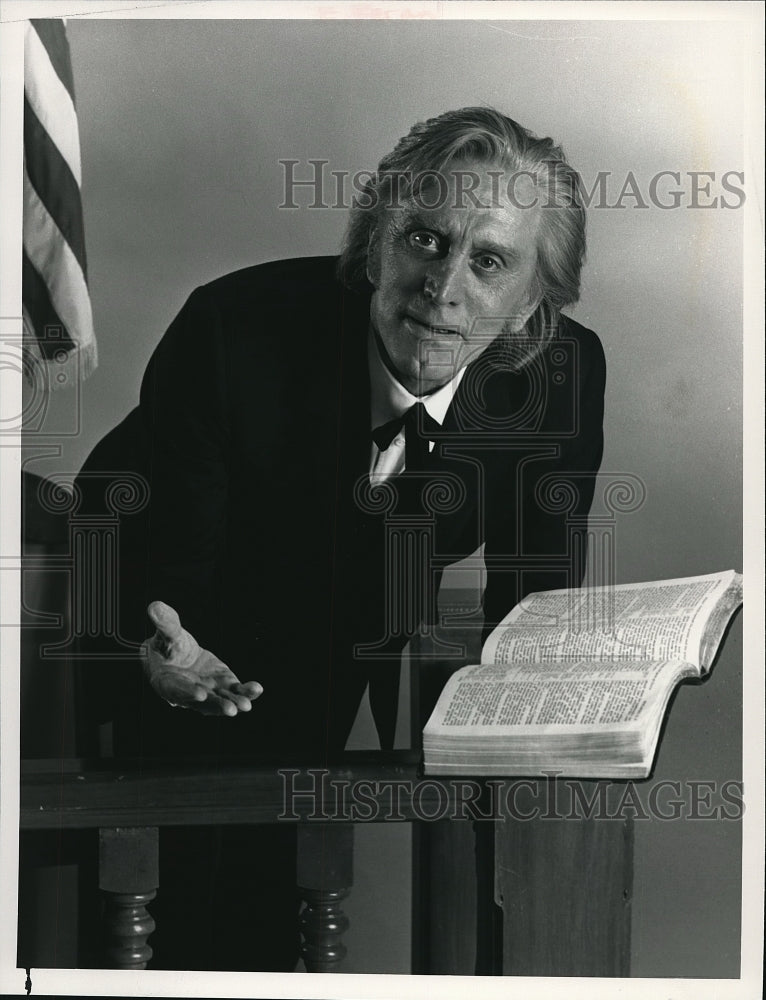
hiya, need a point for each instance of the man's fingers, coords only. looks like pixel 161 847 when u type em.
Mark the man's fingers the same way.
pixel 215 704
pixel 250 689
pixel 203 696
pixel 179 690
pixel 198 699
pixel 242 695
pixel 165 619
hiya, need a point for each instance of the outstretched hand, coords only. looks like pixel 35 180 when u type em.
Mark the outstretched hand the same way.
pixel 186 675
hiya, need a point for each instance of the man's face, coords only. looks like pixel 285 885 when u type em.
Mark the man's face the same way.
pixel 450 279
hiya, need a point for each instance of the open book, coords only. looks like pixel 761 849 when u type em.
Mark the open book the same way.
pixel 577 681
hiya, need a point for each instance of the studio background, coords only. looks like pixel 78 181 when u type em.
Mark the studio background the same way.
pixel 182 127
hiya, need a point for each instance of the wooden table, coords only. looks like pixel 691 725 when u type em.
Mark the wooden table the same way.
pixel 529 891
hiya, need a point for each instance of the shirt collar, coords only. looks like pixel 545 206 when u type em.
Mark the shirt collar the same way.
pixel 388 397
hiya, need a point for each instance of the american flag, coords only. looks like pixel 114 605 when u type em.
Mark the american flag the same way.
pixel 58 324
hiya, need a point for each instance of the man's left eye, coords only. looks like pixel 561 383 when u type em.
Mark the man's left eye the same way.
pixel 487 262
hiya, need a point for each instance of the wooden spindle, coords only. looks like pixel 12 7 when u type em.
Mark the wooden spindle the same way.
pixel 128 925
pixel 324 876
pixel 323 924
pixel 128 877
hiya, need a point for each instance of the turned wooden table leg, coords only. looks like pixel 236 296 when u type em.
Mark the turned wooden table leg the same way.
pixel 324 877
pixel 128 877
pixel 323 924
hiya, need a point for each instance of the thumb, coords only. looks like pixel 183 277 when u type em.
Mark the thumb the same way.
pixel 165 619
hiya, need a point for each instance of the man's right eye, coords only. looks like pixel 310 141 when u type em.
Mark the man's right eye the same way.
pixel 423 240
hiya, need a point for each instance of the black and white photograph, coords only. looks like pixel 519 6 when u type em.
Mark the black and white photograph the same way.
pixel 381 605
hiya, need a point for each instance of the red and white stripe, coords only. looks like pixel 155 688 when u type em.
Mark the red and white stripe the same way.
pixel 58 322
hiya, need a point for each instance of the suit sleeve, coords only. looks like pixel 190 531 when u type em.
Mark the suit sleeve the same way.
pixel 553 494
pixel 183 403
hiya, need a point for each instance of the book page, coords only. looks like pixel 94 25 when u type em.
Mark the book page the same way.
pixel 718 622
pixel 664 620
pixel 539 697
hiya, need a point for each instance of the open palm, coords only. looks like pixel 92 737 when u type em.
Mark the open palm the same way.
pixel 187 676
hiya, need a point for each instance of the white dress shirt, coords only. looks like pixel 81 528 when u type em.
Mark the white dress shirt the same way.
pixel 390 400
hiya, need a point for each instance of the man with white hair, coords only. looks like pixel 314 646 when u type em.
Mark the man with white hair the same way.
pixel 295 410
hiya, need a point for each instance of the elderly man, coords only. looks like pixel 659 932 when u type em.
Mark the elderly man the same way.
pixel 294 410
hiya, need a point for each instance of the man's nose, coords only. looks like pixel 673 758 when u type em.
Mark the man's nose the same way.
pixel 444 283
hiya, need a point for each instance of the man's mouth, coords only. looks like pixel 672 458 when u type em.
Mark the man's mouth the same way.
pixel 433 329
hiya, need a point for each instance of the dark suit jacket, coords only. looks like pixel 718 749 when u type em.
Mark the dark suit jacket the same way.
pixel 253 432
